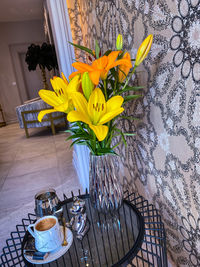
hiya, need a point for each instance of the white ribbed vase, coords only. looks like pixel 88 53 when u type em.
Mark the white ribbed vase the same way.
pixel 105 189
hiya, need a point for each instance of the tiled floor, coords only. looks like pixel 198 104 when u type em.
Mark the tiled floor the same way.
pixel 26 167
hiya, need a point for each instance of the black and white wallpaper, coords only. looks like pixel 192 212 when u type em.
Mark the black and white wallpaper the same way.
pixel 162 161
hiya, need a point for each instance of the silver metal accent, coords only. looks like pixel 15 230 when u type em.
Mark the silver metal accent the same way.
pixel 79 222
pixel 47 203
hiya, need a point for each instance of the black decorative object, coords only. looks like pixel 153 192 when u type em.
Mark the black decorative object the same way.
pixel 44 56
pixel 135 236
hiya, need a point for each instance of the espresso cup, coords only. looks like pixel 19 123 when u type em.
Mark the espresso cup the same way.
pixel 47 233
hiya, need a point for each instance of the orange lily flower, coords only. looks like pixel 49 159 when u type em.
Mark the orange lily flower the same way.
pixel 100 67
pixel 124 69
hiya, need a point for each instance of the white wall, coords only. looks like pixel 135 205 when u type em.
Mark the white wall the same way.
pixel 25 32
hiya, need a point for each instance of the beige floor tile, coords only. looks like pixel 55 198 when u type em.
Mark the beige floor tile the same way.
pixel 64 156
pixel 9 155
pixel 8 145
pixel 60 141
pixel 34 164
pixel 35 150
pixel 4 169
pixel 32 181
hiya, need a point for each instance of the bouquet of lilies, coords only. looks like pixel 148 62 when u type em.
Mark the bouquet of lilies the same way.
pixel 94 98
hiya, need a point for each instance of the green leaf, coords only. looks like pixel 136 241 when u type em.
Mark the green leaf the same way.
pixel 83 136
pixel 129 134
pixel 68 131
pixel 121 55
pixel 89 146
pixel 122 72
pixel 117 145
pixel 76 142
pixel 107 52
pixel 113 72
pixel 82 143
pixel 131 97
pixel 122 135
pixel 97 49
pixel 83 48
pixel 105 150
pixel 131 88
pixel 112 83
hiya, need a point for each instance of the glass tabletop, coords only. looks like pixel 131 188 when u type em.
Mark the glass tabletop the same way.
pixel 112 240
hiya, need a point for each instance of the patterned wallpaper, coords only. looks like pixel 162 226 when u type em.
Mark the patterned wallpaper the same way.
pixel 162 161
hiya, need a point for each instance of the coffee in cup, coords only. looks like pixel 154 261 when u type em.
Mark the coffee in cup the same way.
pixel 45 224
pixel 47 233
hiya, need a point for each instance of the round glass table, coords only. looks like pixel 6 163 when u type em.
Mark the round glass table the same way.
pixel 133 236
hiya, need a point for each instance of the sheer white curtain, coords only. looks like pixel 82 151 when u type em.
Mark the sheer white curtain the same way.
pixel 58 13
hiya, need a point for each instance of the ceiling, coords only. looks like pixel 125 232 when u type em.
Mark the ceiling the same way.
pixel 20 10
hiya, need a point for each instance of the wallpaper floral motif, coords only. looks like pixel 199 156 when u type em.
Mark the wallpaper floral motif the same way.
pixel 162 161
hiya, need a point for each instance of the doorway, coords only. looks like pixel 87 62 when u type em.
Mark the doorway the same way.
pixel 28 82
pixel 32 79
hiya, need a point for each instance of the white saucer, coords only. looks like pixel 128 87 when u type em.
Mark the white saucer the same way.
pixel 55 254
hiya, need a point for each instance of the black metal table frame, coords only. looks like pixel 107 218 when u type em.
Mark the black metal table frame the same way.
pixel 151 253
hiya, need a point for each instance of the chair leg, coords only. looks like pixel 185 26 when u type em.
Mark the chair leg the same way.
pixel 25 125
pixel 26 131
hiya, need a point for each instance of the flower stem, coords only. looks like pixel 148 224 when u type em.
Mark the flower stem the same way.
pixel 94 142
pixel 116 80
pixel 109 136
pixel 79 124
pixel 105 89
pixel 128 79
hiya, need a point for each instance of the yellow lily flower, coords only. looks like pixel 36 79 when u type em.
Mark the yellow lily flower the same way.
pixel 64 78
pixel 143 50
pixel 96 111
pixel 100 67
pixel 60 99
pixel 124 69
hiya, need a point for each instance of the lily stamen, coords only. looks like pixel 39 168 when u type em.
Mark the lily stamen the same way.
pixel 96 115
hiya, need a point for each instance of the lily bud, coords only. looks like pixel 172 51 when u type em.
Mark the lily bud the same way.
pixel 119 42
pixel 143 50
pixel 87 85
